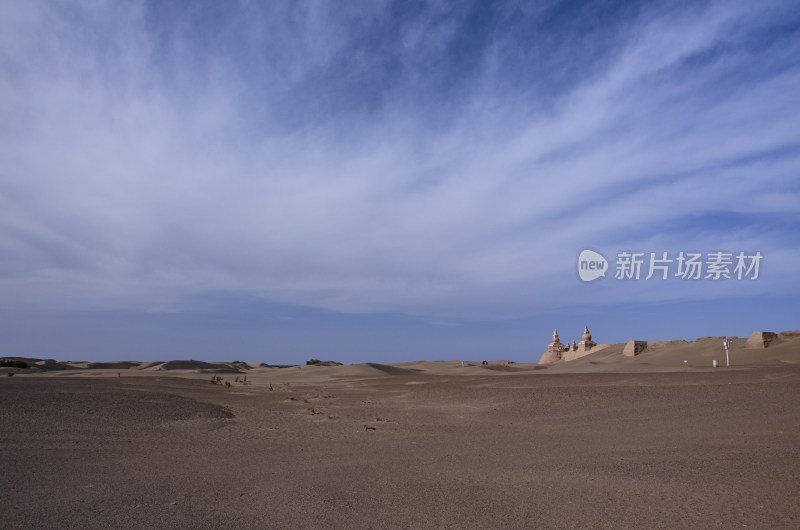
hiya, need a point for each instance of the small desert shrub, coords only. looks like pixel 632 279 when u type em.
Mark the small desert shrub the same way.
pixel 270 387
pixel 228 384
pixel 10 374
pixel 236 380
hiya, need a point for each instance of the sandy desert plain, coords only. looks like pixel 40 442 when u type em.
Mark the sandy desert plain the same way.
pixel 604 441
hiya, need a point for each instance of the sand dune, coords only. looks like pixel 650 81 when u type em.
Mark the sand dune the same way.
pixel 391 370
pixel 186 365
pixel 513 367
pixel 670 355
pixel 151 365
pixel 119 365
pixel 699 354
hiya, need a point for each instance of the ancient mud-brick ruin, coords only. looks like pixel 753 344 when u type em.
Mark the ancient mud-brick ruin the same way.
pixel 634 348
pixel 587 343
pixel 760 339
pixel 556 351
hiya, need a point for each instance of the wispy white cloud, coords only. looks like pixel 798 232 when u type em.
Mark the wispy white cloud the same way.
pixel 297 155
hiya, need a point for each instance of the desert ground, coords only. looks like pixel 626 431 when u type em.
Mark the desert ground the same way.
pixel 604 441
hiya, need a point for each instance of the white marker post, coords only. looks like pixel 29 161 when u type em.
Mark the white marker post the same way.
pixel 726 344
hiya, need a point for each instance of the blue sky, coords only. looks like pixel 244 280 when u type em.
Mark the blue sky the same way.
pixel 388 181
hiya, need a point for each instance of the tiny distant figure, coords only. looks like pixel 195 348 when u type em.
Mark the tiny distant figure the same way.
pixel 484 362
